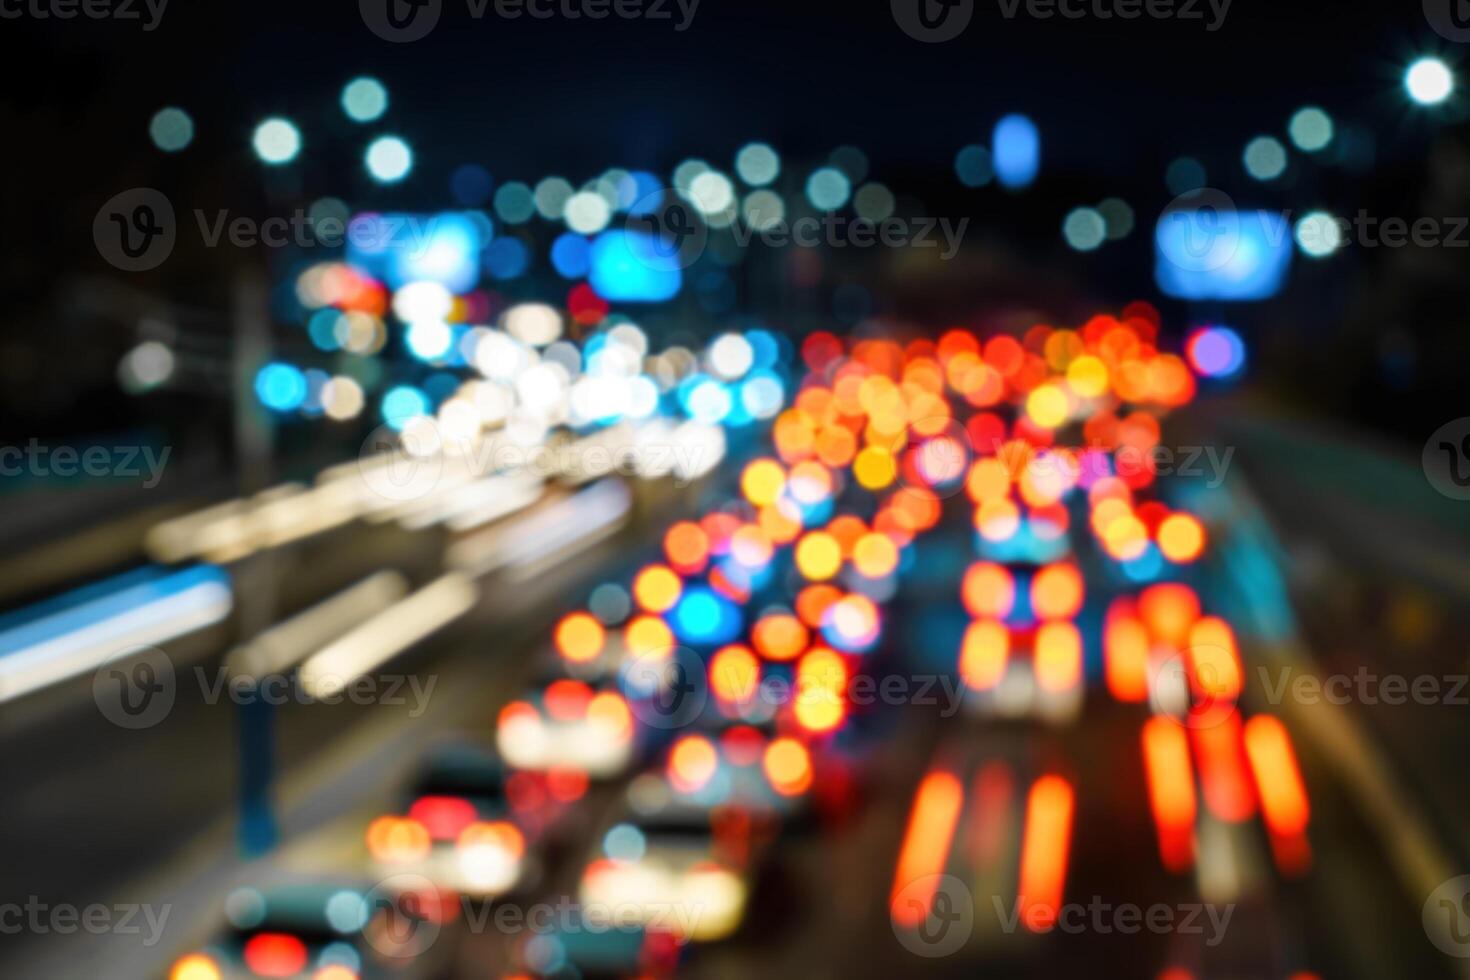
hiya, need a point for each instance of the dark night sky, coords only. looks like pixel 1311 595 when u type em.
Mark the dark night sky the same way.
pixel 1116 101
pixel 527 96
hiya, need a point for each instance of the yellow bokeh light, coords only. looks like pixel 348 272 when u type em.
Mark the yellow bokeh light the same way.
pixel 1056 591
pixel 1047 406
pixel 1181 538
pixel 779 636
pixel 579 637
pixel 1088 376
pixel 810 483
pixel 997 520
pixel 788 766
pixel 989 479
pixel 692 762
pixel 657 588
pixel 983 655
pixel 821 682
pixel 818 556
pixel 751 546
pixel 1058 656
pixel 762 482
pixel 195 966
pixel 875 555
pixel 875 468
pixel 734 673
pixel 1126 537
pixel 646 636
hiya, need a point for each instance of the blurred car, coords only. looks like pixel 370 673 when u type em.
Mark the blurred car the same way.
pixel 1022 655
pixel 458 827
pixel 322 930
pixel 570 726
pixel 598 950
pixel 756 769
pixel 680 870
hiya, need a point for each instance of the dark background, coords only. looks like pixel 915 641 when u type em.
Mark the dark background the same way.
pixel 1372 337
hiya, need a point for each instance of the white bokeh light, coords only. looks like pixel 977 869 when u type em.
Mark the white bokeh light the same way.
pixel 1429 81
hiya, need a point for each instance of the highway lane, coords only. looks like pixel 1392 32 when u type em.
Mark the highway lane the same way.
pixel 821 910
pixel 1373 563
pixel 1351 916
pixel 154 810
pixel 821 906
pixel 1341 562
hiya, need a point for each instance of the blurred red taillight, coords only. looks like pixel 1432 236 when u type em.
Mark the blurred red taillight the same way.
pixel 275 954
pixel 444 816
